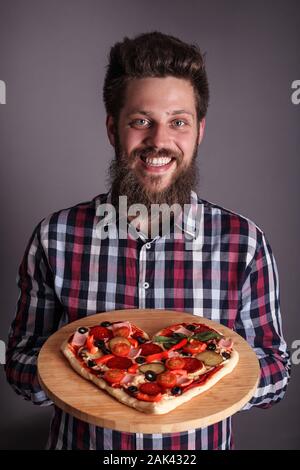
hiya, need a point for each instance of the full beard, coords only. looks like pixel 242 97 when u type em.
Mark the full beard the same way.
pixel 124 182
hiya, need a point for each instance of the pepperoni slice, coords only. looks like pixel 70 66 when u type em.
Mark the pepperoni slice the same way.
pixel 100 332
pixel 192 364
pixel 119 363
pixel 150 388
pixel 150 348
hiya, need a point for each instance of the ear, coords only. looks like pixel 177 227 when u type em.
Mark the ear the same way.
pixel 110 128
pixel 201 130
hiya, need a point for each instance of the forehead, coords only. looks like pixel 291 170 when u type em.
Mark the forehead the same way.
pixel 159 94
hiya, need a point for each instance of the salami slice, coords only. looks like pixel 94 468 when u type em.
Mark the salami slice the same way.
pixel 150 348
pixel 119 363
pixel 192 364
pixel 100 332
pixel 150 388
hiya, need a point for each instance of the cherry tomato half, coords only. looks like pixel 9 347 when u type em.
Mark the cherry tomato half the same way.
pixel 123 331
pixel 195 346
pixel 167 380
pixel 121 349
pixel 175 363
pixel 114 376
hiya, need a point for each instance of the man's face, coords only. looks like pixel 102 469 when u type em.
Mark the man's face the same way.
pixel 157 135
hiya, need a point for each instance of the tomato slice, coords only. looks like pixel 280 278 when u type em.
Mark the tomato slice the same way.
pixel 150 388
pixel 195 346
pixel 123 331
pixel 150 348
pixel 121 349
pixel 175 363
pixel 119 363
pixel 100 332
pixel 114 376
pixel 167 380
pixel 192 364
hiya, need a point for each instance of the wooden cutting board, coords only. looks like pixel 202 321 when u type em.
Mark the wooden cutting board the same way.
pixel 84 400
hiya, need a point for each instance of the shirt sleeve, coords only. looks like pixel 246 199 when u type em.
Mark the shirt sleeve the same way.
pixel 37 317
pixel 259 322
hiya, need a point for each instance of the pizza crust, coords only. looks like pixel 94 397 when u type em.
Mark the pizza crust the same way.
pixel 166 404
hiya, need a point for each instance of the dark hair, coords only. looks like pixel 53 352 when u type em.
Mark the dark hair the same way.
pixel 153 55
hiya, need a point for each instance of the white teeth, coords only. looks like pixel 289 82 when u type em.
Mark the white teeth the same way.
pixel 160 161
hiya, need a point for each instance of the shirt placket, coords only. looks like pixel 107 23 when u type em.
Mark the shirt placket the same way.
pixel 144 284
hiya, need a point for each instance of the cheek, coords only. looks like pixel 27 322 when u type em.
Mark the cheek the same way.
pixel 131 138
pixel 186 145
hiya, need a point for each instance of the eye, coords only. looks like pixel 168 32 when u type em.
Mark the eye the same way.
pixel 139 122
pixel 179 123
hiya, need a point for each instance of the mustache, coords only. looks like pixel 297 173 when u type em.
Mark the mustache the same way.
pixel 153 152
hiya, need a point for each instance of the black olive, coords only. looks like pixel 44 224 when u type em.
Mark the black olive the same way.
pixel 226 355
pixel 82 330
pixel 105 324
pixel 191 327
pixel 141 340
pixel 140 360
pixel 99 343
pixel 176 391
pixel 185 353
pixel 105 350
pixel 150 375
pixel 91 363
pixel 211 347
pixel 132 389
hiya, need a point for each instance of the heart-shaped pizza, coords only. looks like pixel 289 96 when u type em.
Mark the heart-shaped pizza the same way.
pixel 152 375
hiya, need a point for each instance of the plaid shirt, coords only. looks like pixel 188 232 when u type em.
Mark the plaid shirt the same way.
pixel 68 272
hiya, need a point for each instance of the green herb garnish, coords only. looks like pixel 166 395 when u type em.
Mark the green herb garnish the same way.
pixel 206 336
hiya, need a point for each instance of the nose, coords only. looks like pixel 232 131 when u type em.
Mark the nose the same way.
pixel 158 136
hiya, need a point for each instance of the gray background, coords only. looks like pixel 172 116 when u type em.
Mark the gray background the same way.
pixel 54 150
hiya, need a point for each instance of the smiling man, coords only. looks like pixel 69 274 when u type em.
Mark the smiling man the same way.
pixel 156 139
pixel 156 98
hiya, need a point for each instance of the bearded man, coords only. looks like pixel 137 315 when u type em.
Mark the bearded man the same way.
pixel 156 97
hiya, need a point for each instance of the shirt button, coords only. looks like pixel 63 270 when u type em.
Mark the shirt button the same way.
pixel 148 245
pixel 146 285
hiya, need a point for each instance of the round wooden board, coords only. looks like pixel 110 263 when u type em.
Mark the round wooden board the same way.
pixel 84 400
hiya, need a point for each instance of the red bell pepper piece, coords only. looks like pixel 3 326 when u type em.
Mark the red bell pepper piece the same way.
pixel 104 359
pixel 157 357
pixel 178 345
pixel 132 369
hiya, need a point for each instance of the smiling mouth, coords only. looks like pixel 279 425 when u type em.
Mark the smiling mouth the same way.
pixel 157 161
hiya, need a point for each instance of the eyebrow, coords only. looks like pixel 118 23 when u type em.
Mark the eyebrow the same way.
pixel 148 113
